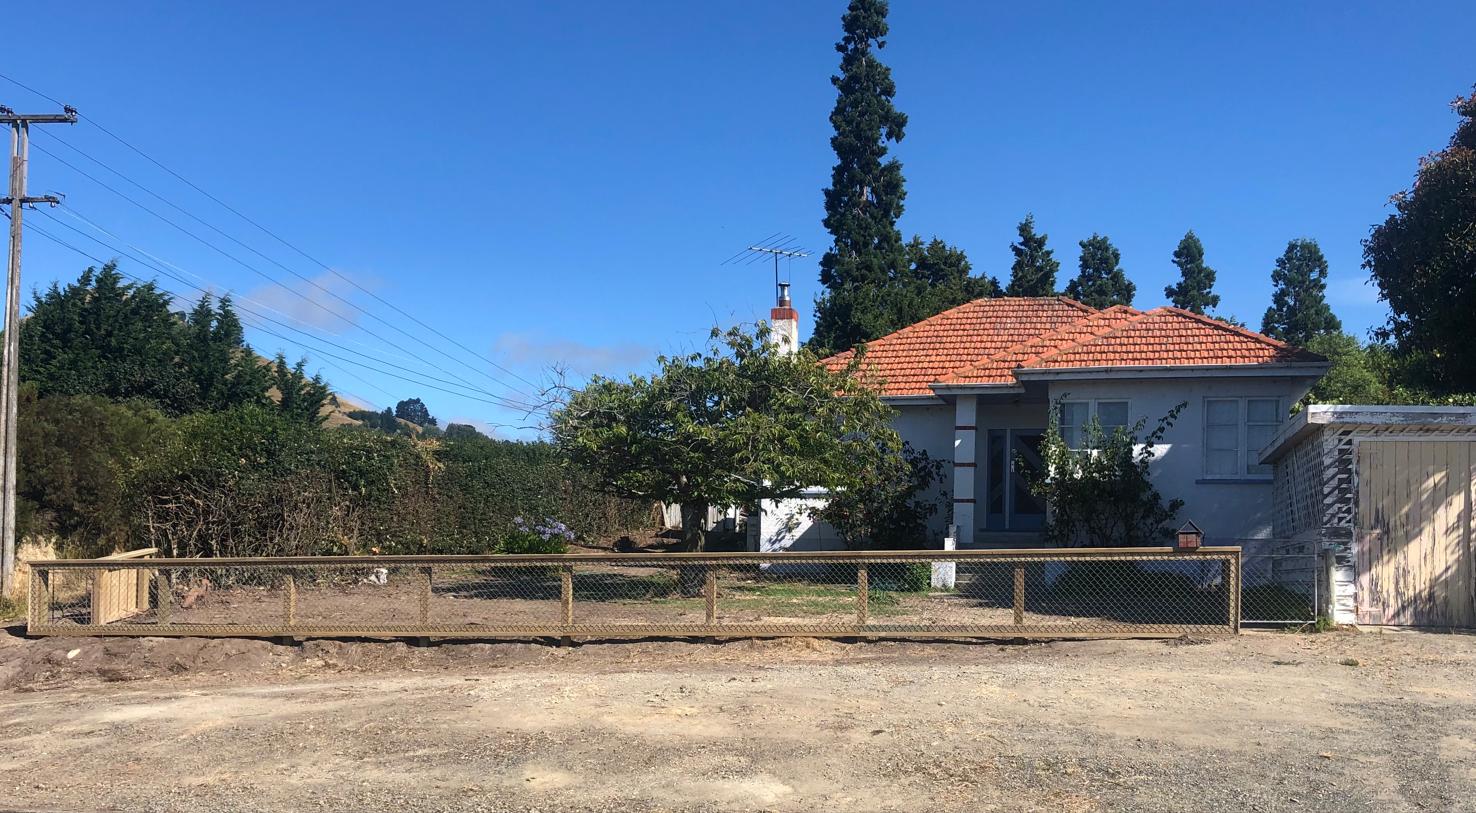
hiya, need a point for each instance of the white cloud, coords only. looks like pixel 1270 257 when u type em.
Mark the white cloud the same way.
pixel 317 304
pixel 528 351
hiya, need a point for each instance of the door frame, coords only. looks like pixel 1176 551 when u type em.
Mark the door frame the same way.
pixel 1007 521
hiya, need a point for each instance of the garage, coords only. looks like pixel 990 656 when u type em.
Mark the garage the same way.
pixel 1386 494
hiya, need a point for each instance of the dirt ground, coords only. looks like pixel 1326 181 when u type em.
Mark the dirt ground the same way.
pixel 1267 721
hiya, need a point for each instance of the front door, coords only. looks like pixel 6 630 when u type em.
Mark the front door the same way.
pixel 1027 512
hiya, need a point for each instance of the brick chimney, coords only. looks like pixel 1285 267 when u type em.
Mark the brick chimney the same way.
pixel 784 322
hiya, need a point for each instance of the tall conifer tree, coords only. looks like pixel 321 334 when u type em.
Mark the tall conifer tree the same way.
pixel 1195 290
pixel 1101 282
pixel 1034 270
pixel 864 199
pixel 1299 310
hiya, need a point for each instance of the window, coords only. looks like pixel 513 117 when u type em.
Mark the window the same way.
pixel 1111 415
pixel 1235 432
pixel 1073 422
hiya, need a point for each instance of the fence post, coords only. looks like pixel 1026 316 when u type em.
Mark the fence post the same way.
pixel 862 593
pixel 1232 582
pixel 291 600
pixel 99 592
pixel 141 590
pixel 1019 595
pixel 164 595
pixel 710 589
pixel 36 589
pixel 426 587
pixel 566 596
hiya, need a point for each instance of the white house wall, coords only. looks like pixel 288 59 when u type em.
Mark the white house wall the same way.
pixel 1226 510
pixel 930 429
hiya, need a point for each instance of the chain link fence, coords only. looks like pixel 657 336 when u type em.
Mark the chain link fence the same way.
pixel 1052 593
pixel 1281 580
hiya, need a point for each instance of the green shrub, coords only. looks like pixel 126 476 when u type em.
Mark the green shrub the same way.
pixel 917 577
pixel 1100 493
pixel 528 541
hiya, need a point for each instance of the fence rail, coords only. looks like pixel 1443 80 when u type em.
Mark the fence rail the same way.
pixel 1062 593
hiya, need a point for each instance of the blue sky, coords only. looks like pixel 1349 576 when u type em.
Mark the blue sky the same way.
pixel 561 181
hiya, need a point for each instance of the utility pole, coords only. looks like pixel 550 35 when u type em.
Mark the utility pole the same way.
pixel 20 147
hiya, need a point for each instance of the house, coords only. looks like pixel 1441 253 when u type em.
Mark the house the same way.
pixel 973 385
pixel 1386 494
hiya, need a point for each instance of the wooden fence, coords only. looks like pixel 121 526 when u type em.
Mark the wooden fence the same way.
pixel 1059 593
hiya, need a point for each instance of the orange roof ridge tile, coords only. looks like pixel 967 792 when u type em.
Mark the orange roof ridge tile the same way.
pixel 1137 317
pixel 1016 355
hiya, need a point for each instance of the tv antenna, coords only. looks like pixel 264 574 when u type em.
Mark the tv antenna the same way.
pixel 776 245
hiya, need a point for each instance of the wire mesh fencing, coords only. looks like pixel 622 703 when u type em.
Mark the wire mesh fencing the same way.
pixel 996 593
pixel 1282 581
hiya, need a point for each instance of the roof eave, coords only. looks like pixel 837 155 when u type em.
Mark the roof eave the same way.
pixel 975 389
pixel 1314 416
pixel 1299 369
pixel 912 400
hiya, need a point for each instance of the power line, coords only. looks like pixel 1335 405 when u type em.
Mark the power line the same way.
pixel 271 279
pixel 279 239
pixel 277 263
pixel 494 400
pixel 73 213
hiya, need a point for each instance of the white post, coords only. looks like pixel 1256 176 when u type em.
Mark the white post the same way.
pixel 965 434
pixel 945 574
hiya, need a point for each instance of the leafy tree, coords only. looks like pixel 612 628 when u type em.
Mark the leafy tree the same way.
pixel 1423 258
pixel 1195 290
pixel 104 336
pixel 1102 494
pixel 864 199
pixel 1101 282
pixel 739 423
pixel 462 431
pixel 890 507
pixel 939 279
pixel 75 453
pixel 219 368
pixel 1299 309
pixel 414 411
pixel 299 397
pixel 1353 377
pixel 1034 271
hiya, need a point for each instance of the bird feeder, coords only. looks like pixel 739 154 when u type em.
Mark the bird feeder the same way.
pixel 1190 537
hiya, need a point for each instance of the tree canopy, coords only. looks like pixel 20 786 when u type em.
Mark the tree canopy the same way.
pixel 1101 283
pixel 414 411
pixel 1195 289
pixel 735 424
pixel 122 341
pixel 1034 271
pixel 1299 309
pixel 1423 259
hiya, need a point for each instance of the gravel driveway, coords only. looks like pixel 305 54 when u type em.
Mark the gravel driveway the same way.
pixel 1267 721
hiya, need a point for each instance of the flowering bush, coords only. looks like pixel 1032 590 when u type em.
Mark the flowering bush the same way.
pixel 545 536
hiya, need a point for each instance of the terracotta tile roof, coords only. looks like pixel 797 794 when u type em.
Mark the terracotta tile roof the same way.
pixel 986 341
pixel 1170 337
pixel 908 361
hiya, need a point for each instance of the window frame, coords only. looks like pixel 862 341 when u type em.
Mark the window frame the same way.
pixel 1093 410
pixel 1245 456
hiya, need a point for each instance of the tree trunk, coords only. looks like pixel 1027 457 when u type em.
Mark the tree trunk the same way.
pixel 692 577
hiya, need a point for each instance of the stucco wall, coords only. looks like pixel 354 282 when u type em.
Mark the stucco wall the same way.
pixel 1225 510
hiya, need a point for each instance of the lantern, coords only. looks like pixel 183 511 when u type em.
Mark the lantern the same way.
pixel 1190 536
